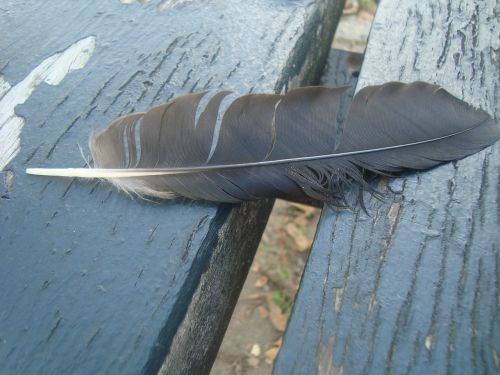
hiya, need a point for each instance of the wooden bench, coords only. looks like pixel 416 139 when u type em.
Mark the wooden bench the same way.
pixel 93 282
pixel 413 288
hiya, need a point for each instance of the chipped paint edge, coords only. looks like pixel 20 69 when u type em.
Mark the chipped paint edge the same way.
pixel 52 71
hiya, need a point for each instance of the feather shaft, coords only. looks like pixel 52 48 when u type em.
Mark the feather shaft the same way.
pixel 144 172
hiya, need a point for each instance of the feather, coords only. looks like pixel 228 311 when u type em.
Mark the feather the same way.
pixel 312 141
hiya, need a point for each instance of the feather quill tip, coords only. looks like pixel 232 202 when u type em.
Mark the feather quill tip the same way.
pixel 92 172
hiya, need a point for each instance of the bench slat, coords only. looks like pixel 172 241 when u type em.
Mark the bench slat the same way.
pixel 414 287
pixel 92 281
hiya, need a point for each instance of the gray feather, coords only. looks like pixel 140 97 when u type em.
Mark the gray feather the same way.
pixel 305 142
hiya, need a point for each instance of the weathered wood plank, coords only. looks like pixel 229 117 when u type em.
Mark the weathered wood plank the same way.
pixel 413 288
pixel 93 282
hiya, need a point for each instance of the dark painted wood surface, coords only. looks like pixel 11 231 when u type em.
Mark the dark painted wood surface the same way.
pixel 413 288
pixel 92 281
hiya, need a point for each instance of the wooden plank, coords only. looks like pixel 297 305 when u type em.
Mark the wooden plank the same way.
pixel 92 281
pixel 413 288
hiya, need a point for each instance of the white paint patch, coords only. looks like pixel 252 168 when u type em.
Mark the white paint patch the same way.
pixel 428 342
pixel 74 58
pixel 163 5
pixel 4 86
pixel 133 1
pixel 169 4
pixel 51 71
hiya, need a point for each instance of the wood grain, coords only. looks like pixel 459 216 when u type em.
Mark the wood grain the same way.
pixel 413 288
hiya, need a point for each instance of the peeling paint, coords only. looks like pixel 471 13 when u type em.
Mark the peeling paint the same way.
pixel 428 342
pixel 324 359
pixel 51 71
pixel 339 293
pixel 6 186
pixel 372 303
pixel 133 1
pixel 168 4
pixel 393 215
pixel 4 86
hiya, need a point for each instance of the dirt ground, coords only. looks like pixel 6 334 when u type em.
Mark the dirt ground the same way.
pixel 259 320
pixel 255 331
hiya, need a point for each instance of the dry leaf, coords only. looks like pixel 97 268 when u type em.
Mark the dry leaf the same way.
pixel 271 354
pixel 254 296
pixel 263 312
pixel 255 351
pixel 278 342
pixel 239 369
pixel 255 267
pixel 292 229
pixel 365 16
pixel 261 281
pixel 277 318
pixel 303 243
pixel 253 362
